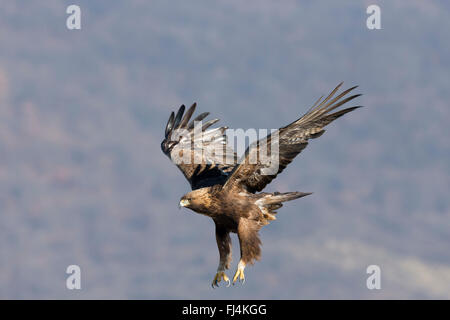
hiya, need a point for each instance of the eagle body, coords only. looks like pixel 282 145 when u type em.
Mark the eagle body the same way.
pixel 241 212
pixel 228 208
pixel 230 192
pixel 216 202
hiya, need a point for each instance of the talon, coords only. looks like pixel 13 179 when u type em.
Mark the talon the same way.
pixel 218 277
pixel 239 275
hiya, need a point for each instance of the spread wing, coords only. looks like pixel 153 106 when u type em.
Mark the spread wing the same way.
pixel 286 143
pixel 202 155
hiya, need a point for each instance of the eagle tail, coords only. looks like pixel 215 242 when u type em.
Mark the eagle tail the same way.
pixel 270 202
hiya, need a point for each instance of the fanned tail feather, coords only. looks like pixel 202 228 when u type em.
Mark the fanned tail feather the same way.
pixel 270 202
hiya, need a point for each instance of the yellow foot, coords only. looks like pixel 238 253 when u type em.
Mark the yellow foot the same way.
pixel 219 276
pixel 239 275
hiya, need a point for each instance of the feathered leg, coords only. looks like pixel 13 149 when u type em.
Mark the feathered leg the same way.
pixel 224 245
pixel 250 246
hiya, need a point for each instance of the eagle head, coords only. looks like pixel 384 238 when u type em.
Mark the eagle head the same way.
pixel 196 200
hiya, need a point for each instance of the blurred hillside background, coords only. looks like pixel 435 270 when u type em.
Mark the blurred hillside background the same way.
pixel 83 180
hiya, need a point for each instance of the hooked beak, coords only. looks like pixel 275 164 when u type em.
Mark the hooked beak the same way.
pixel 183 203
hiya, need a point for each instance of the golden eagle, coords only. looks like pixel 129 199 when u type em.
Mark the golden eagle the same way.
pixel 226 190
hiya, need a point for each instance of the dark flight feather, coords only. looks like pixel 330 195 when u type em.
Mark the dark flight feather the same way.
pixel 187 116
pixel 178 116
pixel 198 118
pixel 169 125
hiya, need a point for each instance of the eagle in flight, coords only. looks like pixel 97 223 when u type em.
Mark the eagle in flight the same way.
pixel 229 191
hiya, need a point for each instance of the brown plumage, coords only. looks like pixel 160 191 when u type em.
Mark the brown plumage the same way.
pixel 224 188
